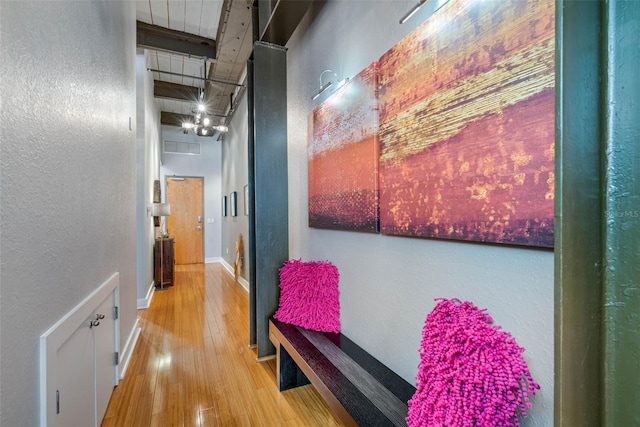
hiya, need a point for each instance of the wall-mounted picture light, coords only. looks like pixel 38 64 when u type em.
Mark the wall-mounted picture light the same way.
pixel 327 85
pixel 434 4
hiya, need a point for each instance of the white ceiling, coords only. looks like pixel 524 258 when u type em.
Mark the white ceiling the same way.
pixel 202 18
pixel 199 17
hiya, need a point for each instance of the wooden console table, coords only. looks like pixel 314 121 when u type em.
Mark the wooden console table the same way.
pixel 163 270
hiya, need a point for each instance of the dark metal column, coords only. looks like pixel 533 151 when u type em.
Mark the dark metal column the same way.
pixel 597 303
pixel 253 340
pixel 270 184
pixel 578 246
pixel 621 224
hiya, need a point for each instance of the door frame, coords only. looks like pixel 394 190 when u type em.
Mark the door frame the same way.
pixel 182 177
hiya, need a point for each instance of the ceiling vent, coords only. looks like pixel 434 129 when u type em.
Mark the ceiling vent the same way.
pixel 180 147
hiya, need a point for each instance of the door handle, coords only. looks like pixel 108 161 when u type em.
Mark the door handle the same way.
pixel 96 322
pixel 199 228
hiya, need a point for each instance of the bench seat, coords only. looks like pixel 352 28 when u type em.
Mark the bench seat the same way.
pixel 356 386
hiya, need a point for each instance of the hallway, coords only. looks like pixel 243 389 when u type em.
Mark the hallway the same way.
pixel 192 365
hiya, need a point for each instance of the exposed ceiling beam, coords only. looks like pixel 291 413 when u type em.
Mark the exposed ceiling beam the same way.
pixel 224 82
pixel 156 37
pixel 173 119
pixel 174 91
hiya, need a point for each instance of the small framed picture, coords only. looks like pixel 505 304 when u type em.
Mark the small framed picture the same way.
pixel 233 202
pixel 246 200
pixel 224 205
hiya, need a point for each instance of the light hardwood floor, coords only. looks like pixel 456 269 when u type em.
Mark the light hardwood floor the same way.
pixel 192 365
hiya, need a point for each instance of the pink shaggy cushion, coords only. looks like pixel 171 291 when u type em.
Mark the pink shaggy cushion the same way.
pixel 309 295
pixel 471 373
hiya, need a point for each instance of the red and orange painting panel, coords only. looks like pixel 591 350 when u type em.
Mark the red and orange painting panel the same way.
pixel 467 125
pixel 343 157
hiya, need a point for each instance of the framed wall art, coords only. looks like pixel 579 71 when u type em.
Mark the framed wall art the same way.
pixel 467 110
pixel 343 153
pixel 246 200
pixel 233 203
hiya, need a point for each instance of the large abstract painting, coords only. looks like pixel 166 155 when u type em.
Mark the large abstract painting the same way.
pixel 467 125
pixel 343 157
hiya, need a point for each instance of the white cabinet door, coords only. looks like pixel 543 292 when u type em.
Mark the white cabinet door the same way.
pixel 105 357
pixel 74 370
pixel 86 369
pixel 77 361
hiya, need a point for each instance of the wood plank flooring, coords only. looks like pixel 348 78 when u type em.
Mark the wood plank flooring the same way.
pixel 192 365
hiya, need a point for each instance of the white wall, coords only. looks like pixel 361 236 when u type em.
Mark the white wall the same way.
pixel 388 284
pixel 234 178
pixel 67 169
pixel 206 165
pixel 147 171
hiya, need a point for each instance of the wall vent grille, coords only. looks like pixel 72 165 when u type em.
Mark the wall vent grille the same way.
pixel 180 147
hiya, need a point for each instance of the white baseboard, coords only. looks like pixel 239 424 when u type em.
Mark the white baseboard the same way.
pixel 213 260
pixel 227 266
pixel 127 352
pixel 146 302
pixel 243 282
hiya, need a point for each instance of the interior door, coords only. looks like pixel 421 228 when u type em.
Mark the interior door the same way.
pixel 186 223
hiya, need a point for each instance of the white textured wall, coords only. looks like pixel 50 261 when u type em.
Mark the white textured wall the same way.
pixel 206 165
pixel 67 170
pixel 388 284
pixel 148 141
pixel 235 176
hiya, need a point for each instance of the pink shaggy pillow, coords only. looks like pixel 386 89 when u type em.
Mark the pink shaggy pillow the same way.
pixel 309 295
pixel 471 373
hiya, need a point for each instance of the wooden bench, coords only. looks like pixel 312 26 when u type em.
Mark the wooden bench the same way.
pixel 357 387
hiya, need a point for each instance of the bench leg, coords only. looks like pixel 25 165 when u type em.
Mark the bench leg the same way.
pixel 289 375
